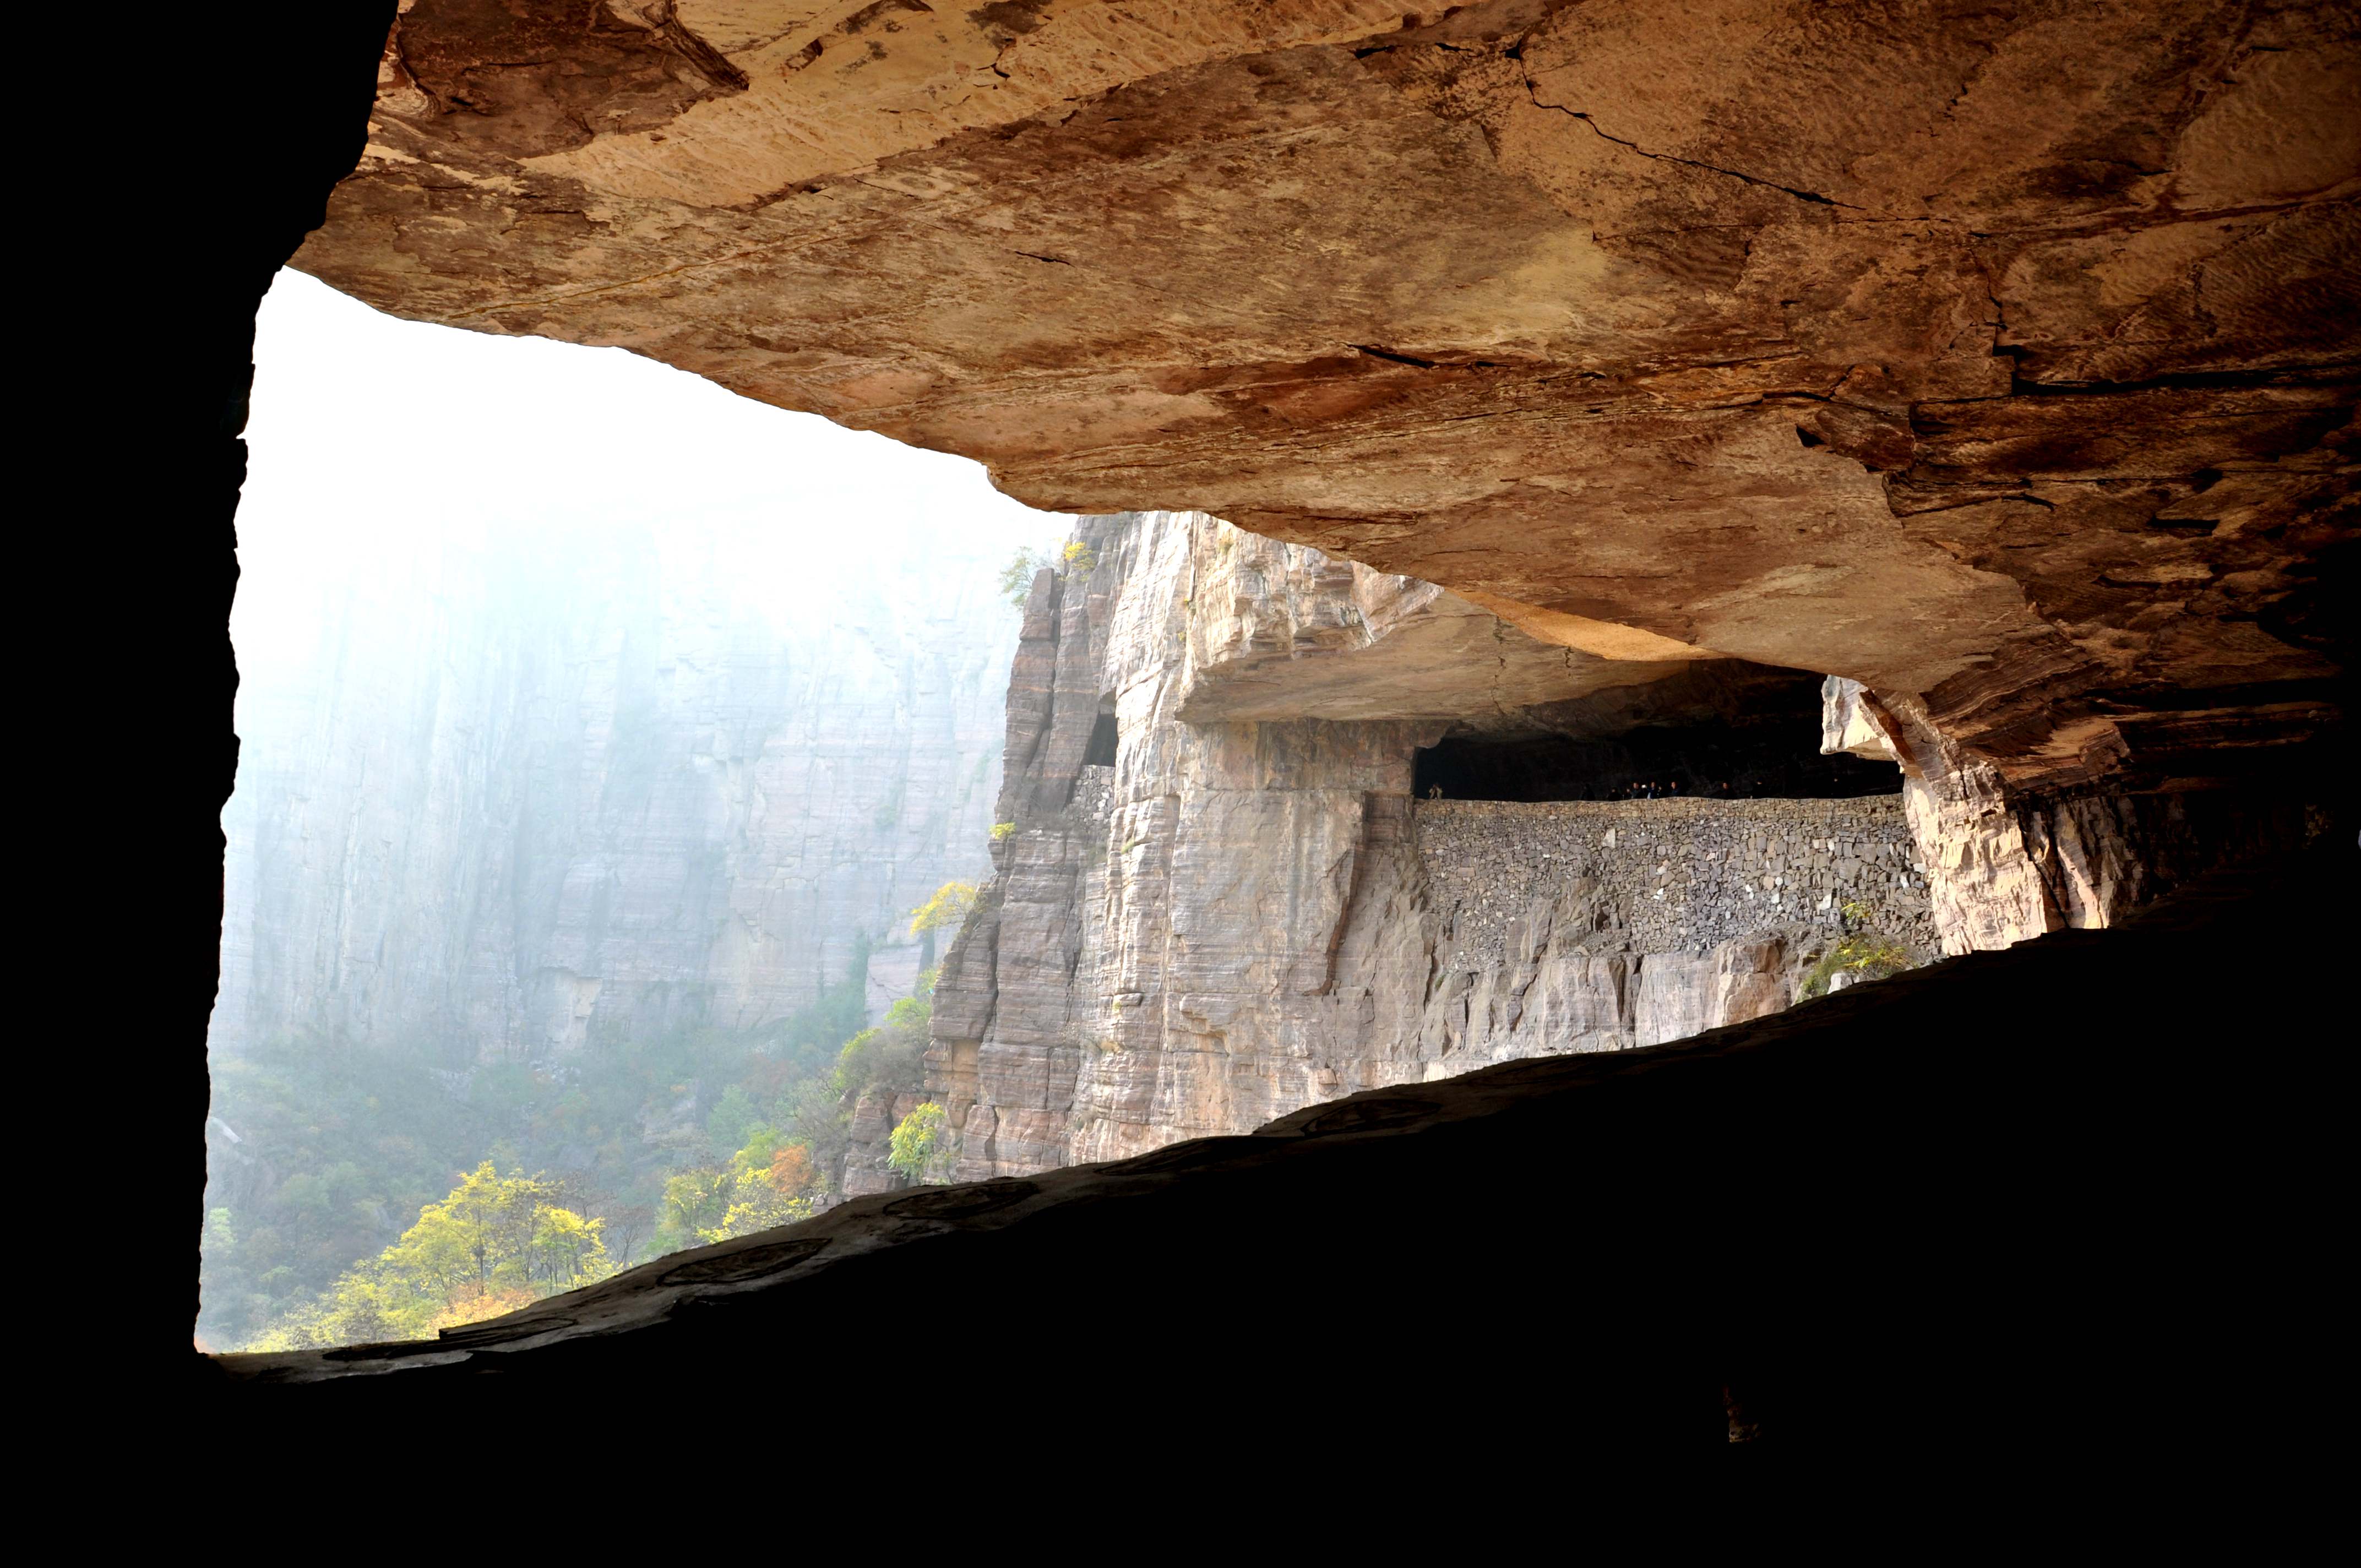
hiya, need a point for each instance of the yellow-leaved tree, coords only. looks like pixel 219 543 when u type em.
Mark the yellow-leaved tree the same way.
pixel 948 906
pixel 496 1243
pixel 921 1146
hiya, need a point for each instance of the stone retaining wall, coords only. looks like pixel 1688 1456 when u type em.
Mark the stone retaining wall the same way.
pixel 1676 876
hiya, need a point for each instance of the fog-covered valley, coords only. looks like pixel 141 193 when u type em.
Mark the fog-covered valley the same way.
pixel 590 772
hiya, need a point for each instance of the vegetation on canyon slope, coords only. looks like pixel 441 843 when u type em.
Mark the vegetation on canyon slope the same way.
pixel 1016 577
pixel 525 1179
pixel 1860 953
pixel 921 1145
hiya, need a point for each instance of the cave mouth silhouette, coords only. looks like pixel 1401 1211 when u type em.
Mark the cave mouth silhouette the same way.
pixel 1770 751
pixel 1101 751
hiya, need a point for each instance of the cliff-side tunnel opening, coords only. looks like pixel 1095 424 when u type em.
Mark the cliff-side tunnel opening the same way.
pixel 1101 751
pixel 1769 749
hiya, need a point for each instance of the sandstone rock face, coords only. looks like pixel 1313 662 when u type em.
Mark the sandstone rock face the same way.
pixel 1999 358
pixel 660 795
pixel 1239 916
pixel 2005 865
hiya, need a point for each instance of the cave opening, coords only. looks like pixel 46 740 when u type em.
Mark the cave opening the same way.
pixel 731 755
pixel 1916 1204
pixel 1769 749
pixel 1101 750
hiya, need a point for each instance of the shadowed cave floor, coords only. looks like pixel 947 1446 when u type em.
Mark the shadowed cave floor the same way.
pixel 2054 1189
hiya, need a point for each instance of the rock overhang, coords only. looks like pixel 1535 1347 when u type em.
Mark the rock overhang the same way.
pixel 2004 360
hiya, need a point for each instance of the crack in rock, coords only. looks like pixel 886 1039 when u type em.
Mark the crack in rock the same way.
pixel 1533 94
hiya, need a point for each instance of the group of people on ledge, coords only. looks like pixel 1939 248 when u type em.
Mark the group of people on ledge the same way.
pixel 1646 789
pixel 1669 790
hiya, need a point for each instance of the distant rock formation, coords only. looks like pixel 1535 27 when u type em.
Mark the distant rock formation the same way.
pixel 1244 911
pixel 615 787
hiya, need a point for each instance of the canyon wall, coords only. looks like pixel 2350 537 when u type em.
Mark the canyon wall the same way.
pixel 494 798
pixel 1239 909
pixel 2004 864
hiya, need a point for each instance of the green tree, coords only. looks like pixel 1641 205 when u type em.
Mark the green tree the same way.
pixel 495 1244
pixel 733 1119
pixel 920 1146
pixel 769 1187
pixel 695 1204
pixel 1016 577
pixel 567 1248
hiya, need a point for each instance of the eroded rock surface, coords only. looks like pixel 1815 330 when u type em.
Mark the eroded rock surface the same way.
pixel 2005 865
pixel 1240 910
pixel 2001 358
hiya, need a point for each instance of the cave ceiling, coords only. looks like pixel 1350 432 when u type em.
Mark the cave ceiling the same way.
pixel 2001 353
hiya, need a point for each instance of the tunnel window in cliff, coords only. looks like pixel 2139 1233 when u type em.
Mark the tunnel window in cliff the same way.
pixel 608 743
pixel 1741 732
pixel 1101 752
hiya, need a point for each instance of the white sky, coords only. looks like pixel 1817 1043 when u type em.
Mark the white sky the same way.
pixel 374 440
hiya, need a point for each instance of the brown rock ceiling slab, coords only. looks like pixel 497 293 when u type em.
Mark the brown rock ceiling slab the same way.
pixel 2001 354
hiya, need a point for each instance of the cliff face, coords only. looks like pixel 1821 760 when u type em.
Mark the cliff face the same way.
pixel 2005 865
pixel 1230 918
pixel 616 785
pixel 1997 356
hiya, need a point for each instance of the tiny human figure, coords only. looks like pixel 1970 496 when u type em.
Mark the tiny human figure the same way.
pixel 1434 792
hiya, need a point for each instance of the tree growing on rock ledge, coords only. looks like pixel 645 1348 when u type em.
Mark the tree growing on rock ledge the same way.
pixel 948 906
pixel 1016 578
pixel 921 1145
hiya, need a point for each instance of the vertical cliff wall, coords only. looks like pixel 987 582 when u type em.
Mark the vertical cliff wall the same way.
pixel 494 797
pixel 1239 909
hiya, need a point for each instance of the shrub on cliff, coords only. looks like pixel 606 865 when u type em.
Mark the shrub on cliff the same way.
pixel 920 1146
pixel 1016 577
pixel 1861 952
pixel 1077 559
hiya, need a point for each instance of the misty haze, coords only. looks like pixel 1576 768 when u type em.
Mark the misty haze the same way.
pixel 593 768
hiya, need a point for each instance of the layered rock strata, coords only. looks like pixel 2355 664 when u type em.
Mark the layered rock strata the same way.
pixel 1247 912
pixel 2001 358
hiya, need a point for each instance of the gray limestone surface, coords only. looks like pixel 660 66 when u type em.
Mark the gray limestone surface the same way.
pixel 1677 874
